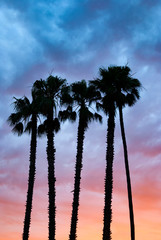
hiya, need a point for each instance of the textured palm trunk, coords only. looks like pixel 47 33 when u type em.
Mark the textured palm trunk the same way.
pixel 51 177
pixel 127 176
pixel 109 176
pixel 31 178
pixel 78 168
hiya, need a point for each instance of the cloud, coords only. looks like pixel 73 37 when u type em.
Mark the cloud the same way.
pixel 50 34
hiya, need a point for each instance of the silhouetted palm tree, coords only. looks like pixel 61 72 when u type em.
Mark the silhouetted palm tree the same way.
pixel 82 96
pixel 128 93
pixel 24 119
pixel 49 92
pixel 108 105
pixel 118 89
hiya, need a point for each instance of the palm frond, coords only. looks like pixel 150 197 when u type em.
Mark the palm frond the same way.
pixel 67 114
pixel 14 118
pixel 56 125
pixel 42 130
pixel 28 127
pixel 66 98
pixel 18 129
pixel 98 117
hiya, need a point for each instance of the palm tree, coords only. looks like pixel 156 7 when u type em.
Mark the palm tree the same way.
pixel 24 119
pixel 108 105
pixel 83 96
pixel 128 93
pixel 118 89
pixel 49 92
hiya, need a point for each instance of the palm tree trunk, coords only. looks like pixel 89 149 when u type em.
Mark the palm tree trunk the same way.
pixel 31 178
pixel 51 177
pixel 127 176
pixel 78 168
pixel 109 176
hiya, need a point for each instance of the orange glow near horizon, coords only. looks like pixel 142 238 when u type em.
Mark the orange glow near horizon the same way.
pixel 147 217
pixel 89 226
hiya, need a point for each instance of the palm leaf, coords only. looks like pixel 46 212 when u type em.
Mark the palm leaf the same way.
pixel 18 128
pixel 56 125
pixel 42 130
pixel 14 118
pixel 28 127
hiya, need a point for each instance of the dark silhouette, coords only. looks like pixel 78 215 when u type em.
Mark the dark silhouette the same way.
pixel 115 88
pixel 118 89
pixel 82 97
pixel 49 92
pixel 108 105
pixel 25 120
pixel 128 93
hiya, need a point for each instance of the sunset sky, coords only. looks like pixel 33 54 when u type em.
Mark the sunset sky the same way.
pixel 72 39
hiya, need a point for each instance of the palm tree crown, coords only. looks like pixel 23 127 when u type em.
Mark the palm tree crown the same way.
pixel 83 96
